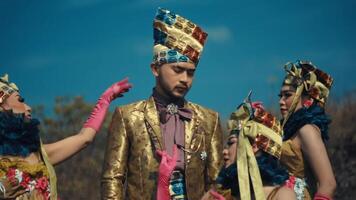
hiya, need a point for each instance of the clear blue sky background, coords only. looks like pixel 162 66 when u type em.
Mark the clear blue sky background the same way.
pixel 79 47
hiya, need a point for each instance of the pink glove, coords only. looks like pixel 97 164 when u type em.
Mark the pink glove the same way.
pixel 97 116
pixel 321 197
pixel 216 195
pixel 165 170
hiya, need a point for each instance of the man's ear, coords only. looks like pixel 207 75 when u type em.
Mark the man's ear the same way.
pixel 154 69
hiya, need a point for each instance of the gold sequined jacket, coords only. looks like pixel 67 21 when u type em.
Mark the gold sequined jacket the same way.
pixel 131 164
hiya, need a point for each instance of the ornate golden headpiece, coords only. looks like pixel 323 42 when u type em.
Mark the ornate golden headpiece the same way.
pixel 6 88
pixel 259 126
pixel 306 78
pixel 256 128
pixel 314 81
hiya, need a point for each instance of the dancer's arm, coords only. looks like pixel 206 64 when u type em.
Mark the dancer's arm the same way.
pixel 285 193
pixel 314 149
pixel 165 170
pixel 63 149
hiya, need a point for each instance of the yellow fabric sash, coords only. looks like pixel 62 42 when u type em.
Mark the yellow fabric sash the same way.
pixel 52 173
pixel 246 162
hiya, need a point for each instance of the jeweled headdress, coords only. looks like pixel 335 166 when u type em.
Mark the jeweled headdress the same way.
pixel 6 88
pixel 176 39
pixel 307 78
pixel 257 128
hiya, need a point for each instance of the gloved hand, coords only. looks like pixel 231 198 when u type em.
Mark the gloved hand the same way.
pixel 216 195
pixel 319 196
pixel 165 170
pixel 97 116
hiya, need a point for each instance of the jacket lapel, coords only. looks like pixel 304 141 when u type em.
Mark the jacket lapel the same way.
pixel 152 124
pixel 190 127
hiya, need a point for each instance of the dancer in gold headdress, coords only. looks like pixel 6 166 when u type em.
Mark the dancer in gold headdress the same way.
pixel 303 96
pixel 26 165
pixel 253 152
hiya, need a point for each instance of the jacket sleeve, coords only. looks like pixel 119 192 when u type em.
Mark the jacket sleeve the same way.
pixel 115 161
pixel 214 154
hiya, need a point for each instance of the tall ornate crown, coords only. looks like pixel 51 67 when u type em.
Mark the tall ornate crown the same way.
pixel 176 39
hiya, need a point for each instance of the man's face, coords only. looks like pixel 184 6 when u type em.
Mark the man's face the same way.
pixel 174 80
pixel 229 152
pixel 16 103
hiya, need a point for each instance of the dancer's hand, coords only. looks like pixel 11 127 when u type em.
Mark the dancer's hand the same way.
pixel 167 164
pixel 216 195
pixel 321 197
pixel 212 195
pixel 97 116
pixel 165 170
pixel 115 90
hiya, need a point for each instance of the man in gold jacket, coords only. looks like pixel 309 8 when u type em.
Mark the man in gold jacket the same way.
pixel 163 121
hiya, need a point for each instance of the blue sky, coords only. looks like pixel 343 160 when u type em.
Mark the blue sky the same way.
pixel 79 47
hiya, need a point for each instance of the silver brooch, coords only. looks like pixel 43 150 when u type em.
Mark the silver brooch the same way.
pixel 203 155
pixel 172 108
